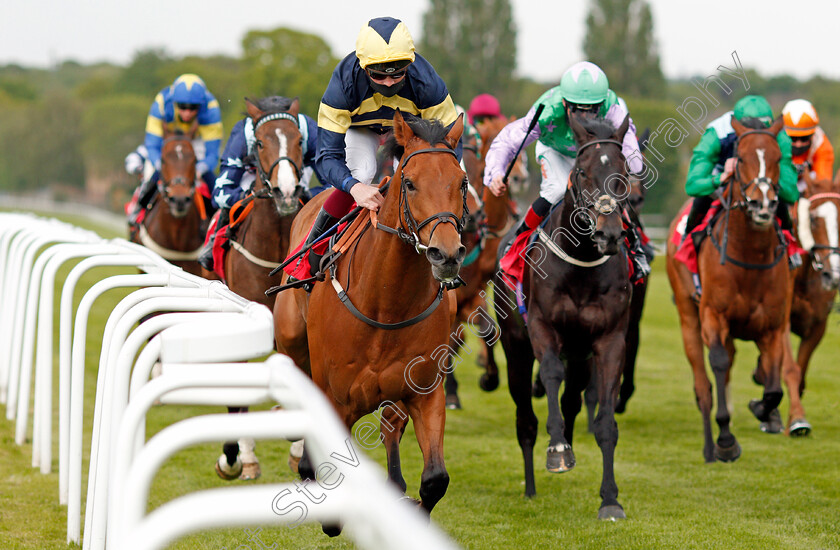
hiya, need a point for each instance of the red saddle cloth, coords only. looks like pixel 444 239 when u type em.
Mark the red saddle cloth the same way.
pixel 687 253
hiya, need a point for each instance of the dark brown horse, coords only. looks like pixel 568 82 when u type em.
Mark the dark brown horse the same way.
pixel 373 335
pixel 577 295
pixel 817 280
pixel 260 240
pixel 175 223
pixel 747 290
pixel 499 215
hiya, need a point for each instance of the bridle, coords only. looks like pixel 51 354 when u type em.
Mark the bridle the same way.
pixel 752 205
pixel 265 175
pixel 604 204
pixel 409 235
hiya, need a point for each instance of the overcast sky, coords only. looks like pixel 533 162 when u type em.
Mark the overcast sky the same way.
pixel 772 36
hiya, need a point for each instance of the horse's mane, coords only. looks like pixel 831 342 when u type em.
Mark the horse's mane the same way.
pixel 272 104
pixel 431 131
pixel 601 128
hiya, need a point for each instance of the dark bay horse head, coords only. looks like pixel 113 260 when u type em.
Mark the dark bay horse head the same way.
pixel 755 186
pixel 177 173
pixel 430 205
pixel 488 129
pixel 599 181
pixel 278 155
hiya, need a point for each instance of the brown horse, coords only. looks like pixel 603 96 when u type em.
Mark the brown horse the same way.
pixel 499 216
pixel 577 295
pixel 747 290
pixel 261 241
pixel 377 344
pixel 176 221
pixel 817 281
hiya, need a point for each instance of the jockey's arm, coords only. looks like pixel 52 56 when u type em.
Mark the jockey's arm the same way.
pixel 823 162
pixel 504 147
pixel 210 131
pixel 227 189
pixel 701 181
pixel 788 191
pixel 630 144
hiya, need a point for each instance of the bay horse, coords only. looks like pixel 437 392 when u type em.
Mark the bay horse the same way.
pixel 816 282
pixel 747 290
pixel 577 293
pixel 499 216
pixel 260 241
pixel 372 335
pixel 175 222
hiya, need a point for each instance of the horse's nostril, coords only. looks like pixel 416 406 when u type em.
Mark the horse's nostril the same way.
pixel 435 256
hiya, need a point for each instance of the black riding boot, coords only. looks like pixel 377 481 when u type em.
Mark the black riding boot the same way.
pixel 323 221
pixel 147 191
pixel 699 207
pixel 783 213
pixel 205 258
pixel 641 266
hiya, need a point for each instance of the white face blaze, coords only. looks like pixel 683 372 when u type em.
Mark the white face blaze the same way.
pixel 179 150
pixel 828 212
pixel 763 185
pixel 286 179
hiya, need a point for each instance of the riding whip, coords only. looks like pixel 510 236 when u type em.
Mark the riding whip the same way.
pixel 534 120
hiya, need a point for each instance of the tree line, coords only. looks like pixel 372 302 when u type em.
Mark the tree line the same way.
pixel 66 129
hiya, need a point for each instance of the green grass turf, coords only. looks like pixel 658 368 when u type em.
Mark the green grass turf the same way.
pixel 782 493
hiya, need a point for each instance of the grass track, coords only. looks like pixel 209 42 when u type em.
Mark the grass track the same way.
pixel 782 493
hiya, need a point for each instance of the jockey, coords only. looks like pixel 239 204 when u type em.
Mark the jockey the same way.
pixel 483 106
pixel 185 105
pixel 584 89
pixel 811 150
pixel 238 169
pixel 470 131
pixel 366 88
pixel 713 163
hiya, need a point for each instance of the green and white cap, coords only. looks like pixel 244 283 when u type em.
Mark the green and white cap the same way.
pixel 584 83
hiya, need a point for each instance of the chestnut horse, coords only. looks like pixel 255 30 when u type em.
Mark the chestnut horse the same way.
pixel 373 335
pixel 499 217
pixel 261 240
pixel 176 221
pixel 577 295
pixel 747 290
pixel 817 281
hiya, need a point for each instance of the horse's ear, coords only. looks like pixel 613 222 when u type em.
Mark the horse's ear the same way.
pixel 253 110
pixel 455 132
pixel 622 130
pixel 777 126
pixel 738 127
pixel 402 132
pixel 581 135
pixel 294 108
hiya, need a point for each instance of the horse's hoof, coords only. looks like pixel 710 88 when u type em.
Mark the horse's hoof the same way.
pixel 559 459
pixel 488 383
pixel 774 425
pixel 757 408
pixel 331 530
pixel 612 512
pixel 226 471
pixel 250 470
pixel 800 428
pixel 452 402
pixel 727 454
pixel 620 406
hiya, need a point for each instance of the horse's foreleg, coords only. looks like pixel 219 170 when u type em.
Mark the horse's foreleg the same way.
pixel 577 379
pixel 773 350
pixel 807 346
pixel 607 362
pixel 693 346
pixel 628 377
pixel 429 416
pixel 392 425
pixel 716 335
pixel 794 377
pixel 560 457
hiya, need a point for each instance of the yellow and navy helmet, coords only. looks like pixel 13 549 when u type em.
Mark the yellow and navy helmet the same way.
pixel 189 88
pixel 385 41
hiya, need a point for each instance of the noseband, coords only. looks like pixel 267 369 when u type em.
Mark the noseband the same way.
pixel 411 237
pixel 265 175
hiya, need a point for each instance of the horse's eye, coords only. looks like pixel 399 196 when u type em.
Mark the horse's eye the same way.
pixel 409 186
pixel 259 144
